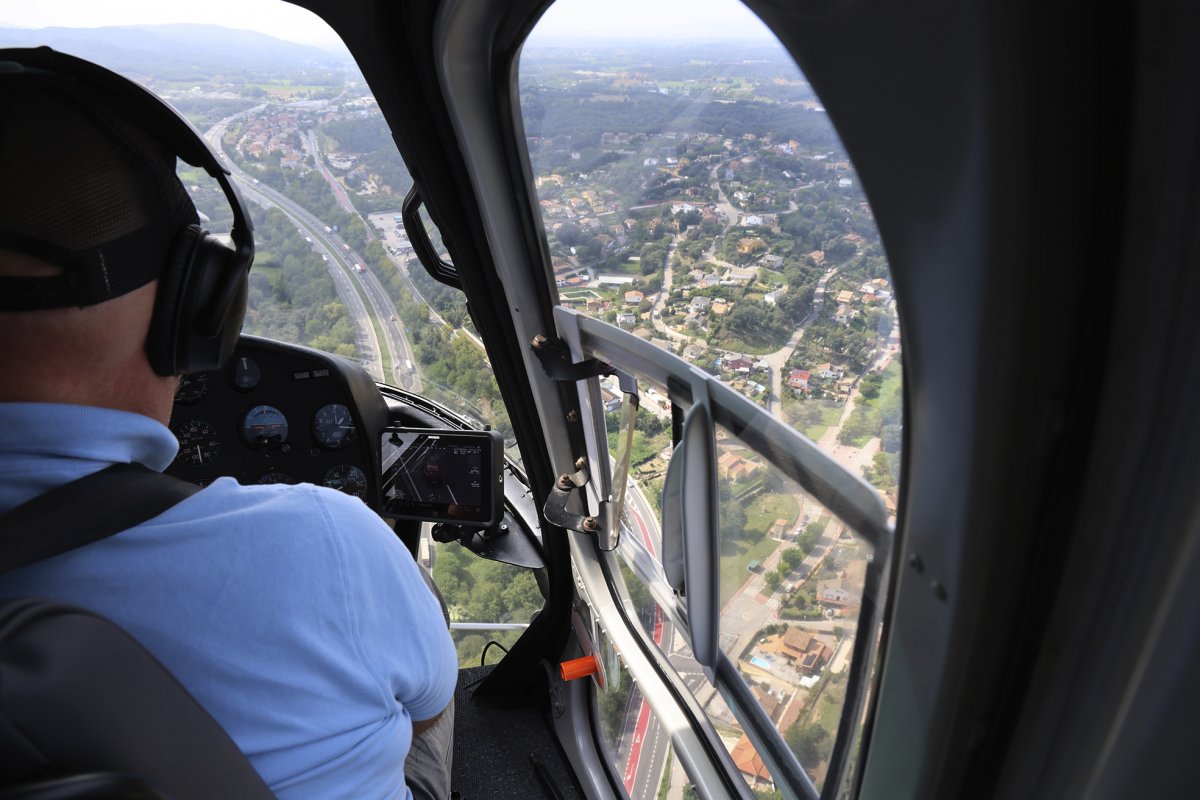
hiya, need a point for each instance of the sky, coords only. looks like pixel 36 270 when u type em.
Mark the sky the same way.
pixel 656 19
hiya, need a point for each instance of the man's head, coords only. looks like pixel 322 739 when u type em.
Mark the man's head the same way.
pixel 96 230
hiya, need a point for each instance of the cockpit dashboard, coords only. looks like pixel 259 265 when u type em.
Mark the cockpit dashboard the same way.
pixel 280 413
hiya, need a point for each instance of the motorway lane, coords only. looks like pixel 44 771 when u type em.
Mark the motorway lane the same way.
pixel 649 746
pixel 339 191
pixel 365 338
pixel 340 259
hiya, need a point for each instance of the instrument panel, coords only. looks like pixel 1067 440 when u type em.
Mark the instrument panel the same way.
pixel 281 413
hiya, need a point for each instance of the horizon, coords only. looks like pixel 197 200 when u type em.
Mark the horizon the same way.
pixel 567 21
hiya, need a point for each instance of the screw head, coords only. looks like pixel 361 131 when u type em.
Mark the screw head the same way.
pixel 916 563
pixel 591 524
pixel 540 341
pixel 580 462
pixel 572 416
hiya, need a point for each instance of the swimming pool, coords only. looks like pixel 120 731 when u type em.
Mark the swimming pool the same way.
pixel 760 662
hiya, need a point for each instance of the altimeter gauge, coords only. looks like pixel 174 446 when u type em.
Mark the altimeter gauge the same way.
pixel 333 427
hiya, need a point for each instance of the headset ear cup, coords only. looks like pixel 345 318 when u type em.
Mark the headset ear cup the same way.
pixel 172 308
pixel 211 307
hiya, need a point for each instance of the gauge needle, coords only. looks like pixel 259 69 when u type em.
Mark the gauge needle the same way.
pixel 199 454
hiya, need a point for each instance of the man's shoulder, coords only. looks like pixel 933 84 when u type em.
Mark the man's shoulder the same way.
pixel 301 498
pixel 297 512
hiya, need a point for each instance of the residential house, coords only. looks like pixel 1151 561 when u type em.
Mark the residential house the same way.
pixel 732 467
pixel 750 244
pixel 769 703
pixel 804 650
pixel 633 297
pixel 798 379
pixel 837 592
pixel 750 764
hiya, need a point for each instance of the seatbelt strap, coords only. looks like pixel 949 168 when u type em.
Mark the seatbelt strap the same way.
pixel 86 510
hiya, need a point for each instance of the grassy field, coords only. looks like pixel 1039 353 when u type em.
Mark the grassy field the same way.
pixel 764 510
pixel 735 555
pixel 865 421
pixel 811 417
pixel 829 710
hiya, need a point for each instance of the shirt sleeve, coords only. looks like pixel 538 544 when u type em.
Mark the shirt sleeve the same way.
pixel 398 624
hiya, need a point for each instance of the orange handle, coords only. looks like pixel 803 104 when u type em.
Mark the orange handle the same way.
pixel 578 668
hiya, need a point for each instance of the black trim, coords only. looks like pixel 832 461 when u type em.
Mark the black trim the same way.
pixel 394 48
pixel 418 237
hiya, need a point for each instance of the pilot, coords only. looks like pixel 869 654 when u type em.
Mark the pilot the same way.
pixel 293 614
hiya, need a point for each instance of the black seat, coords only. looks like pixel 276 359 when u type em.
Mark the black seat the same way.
pixel 86 711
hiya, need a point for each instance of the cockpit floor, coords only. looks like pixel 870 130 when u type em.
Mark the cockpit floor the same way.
pixel 495 747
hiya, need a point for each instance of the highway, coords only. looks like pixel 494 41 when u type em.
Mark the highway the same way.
pixel 348 281
pixel 339 191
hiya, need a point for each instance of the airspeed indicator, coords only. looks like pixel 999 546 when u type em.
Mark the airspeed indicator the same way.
pixel 198 443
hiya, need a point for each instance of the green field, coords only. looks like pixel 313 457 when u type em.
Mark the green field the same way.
pixel 811 417
pixel 735 555
pixel 764 510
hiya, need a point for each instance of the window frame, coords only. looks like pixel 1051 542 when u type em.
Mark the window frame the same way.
pixel 850 498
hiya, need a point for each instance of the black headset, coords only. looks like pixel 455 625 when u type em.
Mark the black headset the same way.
pixel 202 288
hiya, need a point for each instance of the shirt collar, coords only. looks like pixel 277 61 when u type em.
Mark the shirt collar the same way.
pixel 59 430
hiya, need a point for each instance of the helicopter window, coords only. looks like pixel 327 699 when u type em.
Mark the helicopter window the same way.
pixel 693 192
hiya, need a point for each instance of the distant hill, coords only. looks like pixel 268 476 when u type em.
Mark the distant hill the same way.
pixel 179 51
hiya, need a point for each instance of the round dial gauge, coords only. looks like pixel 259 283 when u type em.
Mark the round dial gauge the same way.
pixel 264 425
pixel 198 443
pixel 346 478
pixel 333 427
pixel 246 373
pixel 192 389
pixel 276 476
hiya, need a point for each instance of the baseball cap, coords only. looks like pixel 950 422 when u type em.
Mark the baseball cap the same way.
pixel 83 189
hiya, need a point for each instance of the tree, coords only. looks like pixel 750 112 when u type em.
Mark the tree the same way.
pixel 791 558
pixel 806 742
pixel 870 385
pixel 773 579
pixel 891 437
pixel 732 515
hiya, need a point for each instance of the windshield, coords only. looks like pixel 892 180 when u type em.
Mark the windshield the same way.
pixel 288 112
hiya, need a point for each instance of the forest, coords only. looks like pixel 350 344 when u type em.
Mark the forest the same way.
pixel 292 297
pixel 478 590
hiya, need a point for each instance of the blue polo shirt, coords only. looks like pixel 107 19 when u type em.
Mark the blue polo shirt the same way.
pixel 293 614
